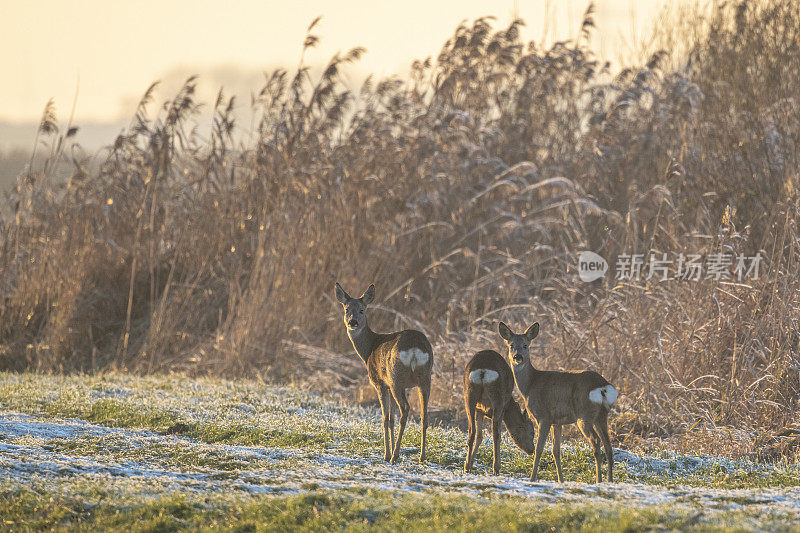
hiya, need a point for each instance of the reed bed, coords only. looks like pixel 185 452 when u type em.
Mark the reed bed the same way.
pixel 464 192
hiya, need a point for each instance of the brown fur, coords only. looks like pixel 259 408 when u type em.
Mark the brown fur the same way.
pixel 495 401
pixel 554 399
pixel 381 353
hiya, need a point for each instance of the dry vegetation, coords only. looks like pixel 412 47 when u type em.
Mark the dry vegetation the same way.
pixel 12 162
pixel 464 192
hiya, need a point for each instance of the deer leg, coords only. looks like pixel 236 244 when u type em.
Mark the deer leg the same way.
pixel 469 404
pixel 478 432
pixel 598 459
pixel 392 413
pixel 478 424
pixel 424 395
pixel 557 450
pixel 591 435
pixel 497 420
pixel 602 427
pixel 541 438
pixel 386 408
pixel 402 403
pixel 470 441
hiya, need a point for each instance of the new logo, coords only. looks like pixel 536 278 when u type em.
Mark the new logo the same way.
pixel 591 266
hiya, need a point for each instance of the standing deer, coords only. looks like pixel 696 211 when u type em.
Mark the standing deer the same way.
pixel 488 391
pixel 395 362
pixel 557 398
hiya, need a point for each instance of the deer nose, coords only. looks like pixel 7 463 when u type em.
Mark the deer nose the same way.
pixel 352 322
pixel 517 358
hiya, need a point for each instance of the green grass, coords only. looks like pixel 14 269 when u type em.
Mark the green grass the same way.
pixel 159 405
pixel 245 456
pixel 96 509
pixel 244 413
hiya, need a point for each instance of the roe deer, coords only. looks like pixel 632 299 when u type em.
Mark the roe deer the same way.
pixel 557 398
pixel 488 391
pixel 395 362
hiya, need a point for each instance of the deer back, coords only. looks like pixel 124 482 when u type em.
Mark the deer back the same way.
pixel 489 372
pixel 562 397
pixel 400 356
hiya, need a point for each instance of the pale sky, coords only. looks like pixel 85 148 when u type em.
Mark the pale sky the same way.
pixel 117 48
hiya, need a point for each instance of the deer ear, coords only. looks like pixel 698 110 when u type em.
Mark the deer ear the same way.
pixel 505 331
pixel 342 296
pixel 369 295
pixel 532 331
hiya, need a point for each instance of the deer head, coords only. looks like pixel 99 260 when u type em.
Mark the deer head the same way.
pixel 355 309
pixel 518 345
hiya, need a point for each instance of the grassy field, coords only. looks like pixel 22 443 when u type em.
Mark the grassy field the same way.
pixel 163 453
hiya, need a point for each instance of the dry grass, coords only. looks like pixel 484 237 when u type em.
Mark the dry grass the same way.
pixel 464 193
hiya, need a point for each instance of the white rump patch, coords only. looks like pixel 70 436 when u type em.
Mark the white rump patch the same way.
pixel 605 396
pixel 483 376
pixel 413 357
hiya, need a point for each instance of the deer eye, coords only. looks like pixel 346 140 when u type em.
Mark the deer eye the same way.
pixel 524 345
pixel 361 311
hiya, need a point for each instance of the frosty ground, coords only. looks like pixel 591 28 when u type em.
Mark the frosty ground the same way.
pixel 117 451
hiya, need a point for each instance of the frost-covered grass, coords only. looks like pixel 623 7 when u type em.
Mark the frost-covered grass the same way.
pixel 207 449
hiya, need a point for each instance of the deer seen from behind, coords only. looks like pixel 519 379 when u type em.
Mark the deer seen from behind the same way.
pixel 488 392
pixel 395 362
pixel 554 399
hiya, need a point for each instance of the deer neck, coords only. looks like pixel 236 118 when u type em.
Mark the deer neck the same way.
pixel 364 341
pixel 519 427
pixel 524 376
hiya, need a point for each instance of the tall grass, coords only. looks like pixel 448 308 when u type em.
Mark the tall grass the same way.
pixel 464 193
